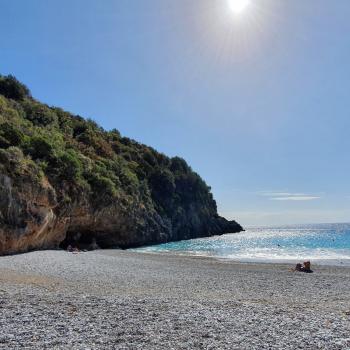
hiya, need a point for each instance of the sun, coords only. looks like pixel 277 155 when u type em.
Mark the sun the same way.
pixel 238 6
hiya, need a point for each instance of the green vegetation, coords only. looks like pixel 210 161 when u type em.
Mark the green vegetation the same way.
pixel 10 87
pixel 78 158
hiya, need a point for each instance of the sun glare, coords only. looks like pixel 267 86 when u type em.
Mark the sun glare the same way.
pixel 238 6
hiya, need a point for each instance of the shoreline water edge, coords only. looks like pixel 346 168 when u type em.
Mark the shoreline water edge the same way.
pixel 324 244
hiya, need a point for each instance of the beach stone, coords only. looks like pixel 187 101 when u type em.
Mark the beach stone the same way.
pixel 124 300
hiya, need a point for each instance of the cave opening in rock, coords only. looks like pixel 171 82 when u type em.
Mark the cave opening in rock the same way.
pixel 81 240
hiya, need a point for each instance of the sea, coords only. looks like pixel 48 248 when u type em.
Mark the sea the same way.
pixel 327 244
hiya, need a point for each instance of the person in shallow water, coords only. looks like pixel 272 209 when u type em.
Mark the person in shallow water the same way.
pixel 306 267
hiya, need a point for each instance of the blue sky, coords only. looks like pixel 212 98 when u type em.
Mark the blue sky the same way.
pixel 257 103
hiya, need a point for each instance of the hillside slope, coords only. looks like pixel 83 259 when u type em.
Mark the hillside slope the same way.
pixel 64 180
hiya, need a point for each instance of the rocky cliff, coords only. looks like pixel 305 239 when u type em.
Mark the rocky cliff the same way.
pixel 64 180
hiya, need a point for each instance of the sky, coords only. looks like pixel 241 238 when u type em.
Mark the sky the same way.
pixel 257 102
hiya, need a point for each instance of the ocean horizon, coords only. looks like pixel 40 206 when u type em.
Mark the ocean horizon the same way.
pixel 324 244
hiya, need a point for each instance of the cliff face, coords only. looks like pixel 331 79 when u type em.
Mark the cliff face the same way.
pixel 64 180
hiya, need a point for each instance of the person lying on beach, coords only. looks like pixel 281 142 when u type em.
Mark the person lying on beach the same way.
pixel 306 267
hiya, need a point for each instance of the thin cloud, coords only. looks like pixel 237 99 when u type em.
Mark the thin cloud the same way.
pixel 295 198
pixel 280 194
pixel 288 196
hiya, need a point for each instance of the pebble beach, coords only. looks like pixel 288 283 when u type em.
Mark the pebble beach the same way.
pixel 117 299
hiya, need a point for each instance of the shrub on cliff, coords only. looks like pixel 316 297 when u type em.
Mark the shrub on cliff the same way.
pixel 10 87
pixel 39 114
pixel 39 147
pixel 14 162
pixel 103 187
pixel 70 165
pixel 179 165
pixel 10 135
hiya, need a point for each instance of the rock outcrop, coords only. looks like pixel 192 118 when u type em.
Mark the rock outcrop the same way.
pixel 32 218
pixel 64 180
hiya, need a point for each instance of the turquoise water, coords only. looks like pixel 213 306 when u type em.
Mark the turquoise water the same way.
pixel 323 244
